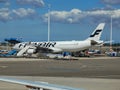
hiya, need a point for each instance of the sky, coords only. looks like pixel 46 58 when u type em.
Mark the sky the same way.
pixel 70 19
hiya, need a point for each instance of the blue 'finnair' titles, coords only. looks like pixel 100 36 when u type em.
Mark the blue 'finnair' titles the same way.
pixel 38 44
pixel 61 46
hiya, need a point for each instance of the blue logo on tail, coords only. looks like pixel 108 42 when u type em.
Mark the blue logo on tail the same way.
pixel 96 33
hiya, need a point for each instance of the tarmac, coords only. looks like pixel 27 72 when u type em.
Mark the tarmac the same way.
pixel 98 73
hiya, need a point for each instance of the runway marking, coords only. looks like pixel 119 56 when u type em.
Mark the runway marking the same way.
pixel 108 76
pixel 84 66
pixel 3 66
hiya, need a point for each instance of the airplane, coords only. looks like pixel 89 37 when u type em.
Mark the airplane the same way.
pixel 37 85
pixel 63 46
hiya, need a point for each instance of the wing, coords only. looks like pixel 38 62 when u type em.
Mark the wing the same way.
pixel 37 85
pixel 48 49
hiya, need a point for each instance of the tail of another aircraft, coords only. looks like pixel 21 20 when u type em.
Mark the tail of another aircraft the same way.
pixel 97 32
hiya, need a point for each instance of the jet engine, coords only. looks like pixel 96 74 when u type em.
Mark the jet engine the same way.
pixel 31 50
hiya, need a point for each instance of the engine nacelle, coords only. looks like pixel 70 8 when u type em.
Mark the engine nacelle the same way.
pixel 31 50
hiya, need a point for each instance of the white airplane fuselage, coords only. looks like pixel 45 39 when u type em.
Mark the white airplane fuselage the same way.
pixel 58 46
pixel 73 46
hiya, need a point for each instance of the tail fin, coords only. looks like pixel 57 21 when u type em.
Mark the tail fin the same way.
pixel 97 32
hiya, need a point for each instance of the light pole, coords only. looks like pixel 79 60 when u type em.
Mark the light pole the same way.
pixel 49 22
pixel 111 35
